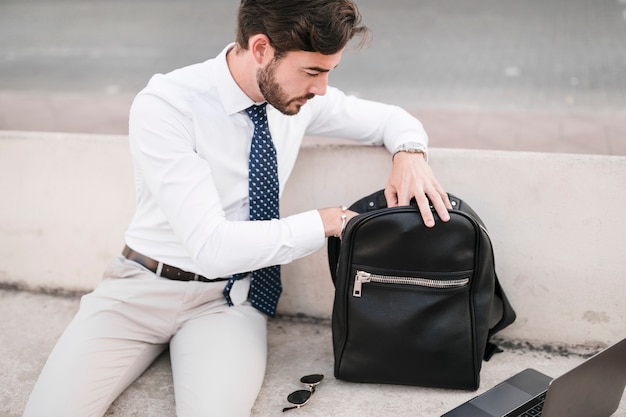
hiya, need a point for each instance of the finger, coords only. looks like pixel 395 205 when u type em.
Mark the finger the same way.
pixel 441 203
pixel 403 197
pixel 392 197
pixel 446 199
pixel 442 210
pixel 424 207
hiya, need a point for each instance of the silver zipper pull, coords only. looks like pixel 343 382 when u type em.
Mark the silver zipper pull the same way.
pixel 359 279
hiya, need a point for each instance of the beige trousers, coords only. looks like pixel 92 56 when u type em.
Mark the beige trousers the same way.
pixel 218 353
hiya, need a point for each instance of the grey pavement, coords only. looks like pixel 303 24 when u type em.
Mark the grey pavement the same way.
pixel 533 75
pixel 297 347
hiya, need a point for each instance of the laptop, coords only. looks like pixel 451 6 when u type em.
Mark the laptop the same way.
pixel 592 389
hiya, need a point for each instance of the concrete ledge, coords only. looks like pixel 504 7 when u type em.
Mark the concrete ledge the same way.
pixel 555 220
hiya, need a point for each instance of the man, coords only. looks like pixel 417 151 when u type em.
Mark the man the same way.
pixel 197 274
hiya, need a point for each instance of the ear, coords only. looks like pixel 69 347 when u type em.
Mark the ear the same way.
pixel 261 48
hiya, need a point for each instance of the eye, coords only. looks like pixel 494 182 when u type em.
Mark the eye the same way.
pixel 312 73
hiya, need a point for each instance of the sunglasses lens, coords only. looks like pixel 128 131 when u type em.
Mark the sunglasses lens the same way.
pixel 299 397
pixel 312 379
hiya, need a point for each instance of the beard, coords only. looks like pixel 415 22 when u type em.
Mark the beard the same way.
pixel 274 94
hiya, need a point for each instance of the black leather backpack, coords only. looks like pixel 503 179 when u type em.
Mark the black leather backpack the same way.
pixel 414 305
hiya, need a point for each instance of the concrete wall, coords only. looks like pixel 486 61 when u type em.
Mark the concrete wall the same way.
pixel 555 220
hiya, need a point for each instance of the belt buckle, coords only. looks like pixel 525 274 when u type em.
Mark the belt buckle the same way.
pixel 196 277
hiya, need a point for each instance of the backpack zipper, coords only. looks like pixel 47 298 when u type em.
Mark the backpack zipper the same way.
pixel 363 277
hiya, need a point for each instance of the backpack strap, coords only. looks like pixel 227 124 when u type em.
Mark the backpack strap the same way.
pixel 504 310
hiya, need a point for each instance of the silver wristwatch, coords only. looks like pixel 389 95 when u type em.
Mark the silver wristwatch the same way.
pixel 410 147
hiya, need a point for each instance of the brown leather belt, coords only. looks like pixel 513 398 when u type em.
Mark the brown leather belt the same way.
pixel 163 270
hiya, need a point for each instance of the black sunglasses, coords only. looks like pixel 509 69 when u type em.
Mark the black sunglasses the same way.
pixel 302 396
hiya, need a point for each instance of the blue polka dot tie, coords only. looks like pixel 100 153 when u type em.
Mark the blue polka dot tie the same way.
pixel 265 286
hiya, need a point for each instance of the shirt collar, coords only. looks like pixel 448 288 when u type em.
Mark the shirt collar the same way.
pixel 233 98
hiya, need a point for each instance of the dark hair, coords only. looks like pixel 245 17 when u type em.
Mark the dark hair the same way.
pixel 324 26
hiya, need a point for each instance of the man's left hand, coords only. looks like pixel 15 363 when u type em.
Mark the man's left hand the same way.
pixel 411 176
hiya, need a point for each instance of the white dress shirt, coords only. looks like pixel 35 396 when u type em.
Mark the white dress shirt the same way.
pixel 190 140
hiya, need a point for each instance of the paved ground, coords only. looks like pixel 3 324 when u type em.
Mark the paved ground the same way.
pixel 297 347
pixel 538 75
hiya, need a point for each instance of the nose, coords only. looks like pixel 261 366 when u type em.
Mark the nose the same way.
pixel 319 84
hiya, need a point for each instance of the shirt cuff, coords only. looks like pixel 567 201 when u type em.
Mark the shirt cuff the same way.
pixel 307 231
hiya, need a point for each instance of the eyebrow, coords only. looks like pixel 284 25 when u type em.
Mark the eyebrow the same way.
pixel 319 69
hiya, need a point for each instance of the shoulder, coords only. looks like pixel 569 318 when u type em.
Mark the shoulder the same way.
pixel 185 81
pixel 181 89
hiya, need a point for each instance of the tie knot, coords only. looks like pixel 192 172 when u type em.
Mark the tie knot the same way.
pixel 257 114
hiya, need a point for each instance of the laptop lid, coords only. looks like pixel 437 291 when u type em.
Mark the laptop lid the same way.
pixel 592 389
